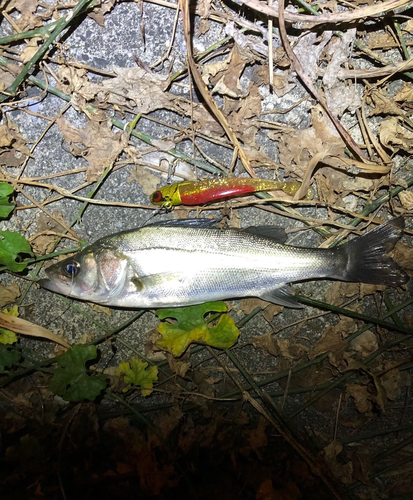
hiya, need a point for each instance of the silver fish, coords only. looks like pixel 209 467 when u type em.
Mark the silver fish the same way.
pixel 177 263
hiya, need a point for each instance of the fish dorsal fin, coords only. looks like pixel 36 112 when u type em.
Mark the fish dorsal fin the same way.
pixel 277 234
pixel 200 223
pixel 281 295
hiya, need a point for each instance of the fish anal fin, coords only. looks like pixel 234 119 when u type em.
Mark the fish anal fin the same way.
pixel 281 295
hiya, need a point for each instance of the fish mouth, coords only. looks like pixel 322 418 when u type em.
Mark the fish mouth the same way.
pixel 50 285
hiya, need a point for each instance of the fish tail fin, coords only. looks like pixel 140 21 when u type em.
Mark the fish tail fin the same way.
pixel 367 257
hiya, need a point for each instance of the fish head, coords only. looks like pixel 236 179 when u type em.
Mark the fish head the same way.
pixel 94 274
pixel 167 196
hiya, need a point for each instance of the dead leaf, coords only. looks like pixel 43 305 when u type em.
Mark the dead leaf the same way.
pixel 30 50
pixel 9 294
pixel 290 350
pixel 342 471
pixel 146 179
pixel 406 198
pixel 27 8
pixel 364 399
pixel 181 365
pixel 383 105
pixel 229 82
pixel 100 9
pixel 332 339
pixel 367 289
pixel 393 380
pixel 269 310
pixel 100 148
pixel 405 95
pixel 44 241
pixel 298 147
pixel 13 150
pixel 168 421
pixel 403 255
pixel 394 136
pixel 365 344
pixel 19 325
pixel 266 343
pixel 100 309
pixel 257 438
pixel 339 291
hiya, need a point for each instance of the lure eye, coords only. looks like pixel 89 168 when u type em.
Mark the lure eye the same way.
pixel 157 197
pixel 72 269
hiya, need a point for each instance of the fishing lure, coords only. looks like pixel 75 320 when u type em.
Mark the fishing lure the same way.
pixel 213 190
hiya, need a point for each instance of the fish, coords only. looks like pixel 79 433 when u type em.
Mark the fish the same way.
pixel 191 261
pixel 219 189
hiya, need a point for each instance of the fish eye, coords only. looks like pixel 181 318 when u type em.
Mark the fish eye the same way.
pixel 157 196
pixel 72 269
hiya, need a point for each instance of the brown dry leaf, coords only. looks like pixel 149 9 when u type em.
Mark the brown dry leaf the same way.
pixel 9 294
pixel 297 147
pixel 332 339
pixel 269 310
pixel 136 87
pixel 181 365
pixel 6 79
pixel 257 438
pixel 27 8
pixel 393 380
pixel 101 145
pixel 339 291
pixel 203 7
pixel 146 179
pixel 378 40
pixel 342 471
pixel 241 115
pixel 265 342
pixel 266 491
pixel 100 309
pixel 13 150
pixel 325 191
pixel 74 81
pixel 19 325
pixel 229 83
pixel 42 242
pixel 168 421
pixel 366 289
pixel 383 105
pixel 405 94
pixel 364 398
pixel 102 7
pixel 403 255
pixel 342 97
pixel 394 136
pixel 365 344
pixel 291 351
pixel 406 198
pixel 30 50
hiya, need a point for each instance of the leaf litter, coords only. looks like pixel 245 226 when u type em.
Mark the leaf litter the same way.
pixel 362 371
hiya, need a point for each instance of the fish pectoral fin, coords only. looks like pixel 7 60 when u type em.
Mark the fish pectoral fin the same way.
pixel 277 234
pixel 153 280
pixel 281 295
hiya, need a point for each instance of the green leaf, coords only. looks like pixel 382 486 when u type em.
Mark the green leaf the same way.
pixel 135 373
pixel 11 246
pixel 6 190
pixel 191 326
pixel 8 357
pixel 71 380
